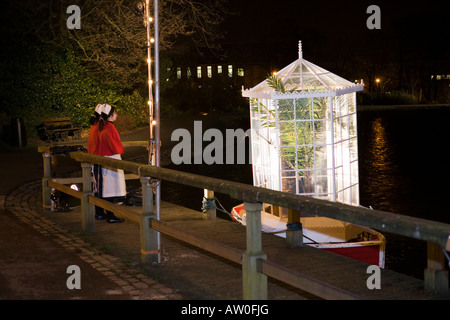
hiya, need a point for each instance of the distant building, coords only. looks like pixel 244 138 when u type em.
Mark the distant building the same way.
pixel 206 88
pixel 441 84
pixel 236 75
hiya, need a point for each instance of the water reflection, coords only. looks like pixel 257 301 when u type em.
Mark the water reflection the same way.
pixel 401 172
pixel 382 170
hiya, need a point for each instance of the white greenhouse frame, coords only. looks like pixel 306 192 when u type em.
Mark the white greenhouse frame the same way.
pixel 304 135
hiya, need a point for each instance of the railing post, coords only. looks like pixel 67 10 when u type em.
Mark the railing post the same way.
pixel 254 282
pixel 435 275
pixel 149 238
pixel 209 205
pixel 294 231
pixel 87 209
pixel 46 190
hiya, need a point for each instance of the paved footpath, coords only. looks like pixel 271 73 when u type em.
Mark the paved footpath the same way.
pixel 36 253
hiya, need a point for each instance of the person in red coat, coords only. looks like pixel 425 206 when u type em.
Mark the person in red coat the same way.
pixel 111 182
pixel 93 142
pixel 93 145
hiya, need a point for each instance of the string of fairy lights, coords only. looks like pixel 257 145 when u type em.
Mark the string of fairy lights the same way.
pixel 150 40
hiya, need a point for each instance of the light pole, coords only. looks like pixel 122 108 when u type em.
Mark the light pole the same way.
pixel 153 102
pixel 148 20
pixel 157 114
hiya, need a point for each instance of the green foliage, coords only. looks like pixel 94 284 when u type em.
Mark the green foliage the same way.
pixel 276 83
pixel 134 105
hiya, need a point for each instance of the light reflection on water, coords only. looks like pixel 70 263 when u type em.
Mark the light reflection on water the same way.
pixel 380 181
pixel 380 187
pixel 401 171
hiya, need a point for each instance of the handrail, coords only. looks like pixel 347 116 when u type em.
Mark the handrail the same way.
pixel 47 148
pixel 254 262
pixel 412 227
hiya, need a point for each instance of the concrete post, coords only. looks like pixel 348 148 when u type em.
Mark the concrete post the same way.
pixel 46 190
pixel 294 231
pixel 209 207
pixel 436 275
pixel 149 238
pixel 254 282
pixel 87 209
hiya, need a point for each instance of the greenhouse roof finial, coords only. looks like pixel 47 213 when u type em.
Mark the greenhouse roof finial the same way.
pixel 303 79
pixel 300 53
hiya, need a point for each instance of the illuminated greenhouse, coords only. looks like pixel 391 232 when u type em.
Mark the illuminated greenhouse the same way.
pixel 304 133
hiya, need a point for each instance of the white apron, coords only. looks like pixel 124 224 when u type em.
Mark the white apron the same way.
pixel 113 181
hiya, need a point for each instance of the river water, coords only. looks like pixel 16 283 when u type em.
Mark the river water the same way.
pixel 404 169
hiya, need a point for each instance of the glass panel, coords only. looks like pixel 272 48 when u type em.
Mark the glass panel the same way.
pixel 285 109
pixel 320 157
pixel 353 149
pixel 305 133
pixel 353 125
pixel 305 157
pixel 288 161
pixel 320 108
pixel 339 178
pixel 354 172
pixel 320 132
pixel 306 182
pixel 338 155
pixel 288 185
pixel 303 109
pixel 355 195
pixel 344 128
pixel 287 133
pixel 322 182
pixel 351 102
pixel 336 107
pixel 290 173
pixel 337 130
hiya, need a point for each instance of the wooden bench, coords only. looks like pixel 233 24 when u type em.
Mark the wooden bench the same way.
pixel 58 129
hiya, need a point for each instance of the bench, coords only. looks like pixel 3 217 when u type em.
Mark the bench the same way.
pixel 58 129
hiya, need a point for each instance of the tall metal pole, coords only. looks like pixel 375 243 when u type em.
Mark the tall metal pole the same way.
pixel 157 113
pixel 157 83
pixel 148 21
pixel 154 152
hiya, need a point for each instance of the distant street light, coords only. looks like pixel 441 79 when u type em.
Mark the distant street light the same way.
pixel 378 81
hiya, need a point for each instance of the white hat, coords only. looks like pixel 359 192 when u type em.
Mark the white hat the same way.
pixel 99 108
pixel 106 109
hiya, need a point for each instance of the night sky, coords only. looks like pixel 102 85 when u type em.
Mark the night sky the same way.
pixel 334 35
pixel 273 28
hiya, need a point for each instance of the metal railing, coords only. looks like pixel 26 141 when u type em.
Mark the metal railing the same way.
pixel 255 266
